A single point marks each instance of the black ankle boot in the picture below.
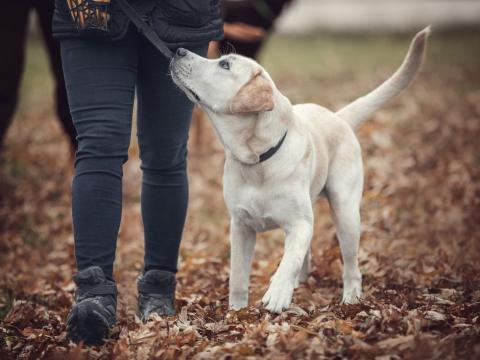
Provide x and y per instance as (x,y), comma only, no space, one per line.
(94,312)
(156,293)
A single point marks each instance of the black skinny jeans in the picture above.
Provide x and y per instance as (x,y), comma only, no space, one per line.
(101,78)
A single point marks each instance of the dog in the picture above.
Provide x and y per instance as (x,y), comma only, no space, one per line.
(280,159)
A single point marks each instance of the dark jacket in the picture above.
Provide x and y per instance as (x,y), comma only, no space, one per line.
(177,22)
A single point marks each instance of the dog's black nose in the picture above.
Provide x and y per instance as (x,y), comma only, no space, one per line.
(181,52)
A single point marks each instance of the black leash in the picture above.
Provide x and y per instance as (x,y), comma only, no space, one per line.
(145,29)
(270,152)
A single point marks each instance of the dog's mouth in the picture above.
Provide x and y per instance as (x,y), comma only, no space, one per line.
(192,93)
(181,84)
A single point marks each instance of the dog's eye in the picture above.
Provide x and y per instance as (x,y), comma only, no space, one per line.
(224,64)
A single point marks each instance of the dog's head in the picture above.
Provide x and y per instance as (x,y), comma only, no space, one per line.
(232,84)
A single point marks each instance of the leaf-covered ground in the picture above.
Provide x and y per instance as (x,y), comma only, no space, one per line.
(420,246)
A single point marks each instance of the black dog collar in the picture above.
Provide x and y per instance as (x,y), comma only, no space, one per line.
(270,152)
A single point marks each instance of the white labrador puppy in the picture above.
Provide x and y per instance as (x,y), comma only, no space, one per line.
(280,158)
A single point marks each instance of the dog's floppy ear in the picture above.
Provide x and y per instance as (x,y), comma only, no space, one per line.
(255,96)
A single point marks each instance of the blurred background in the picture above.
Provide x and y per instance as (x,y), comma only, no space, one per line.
(421,208)
(376,15)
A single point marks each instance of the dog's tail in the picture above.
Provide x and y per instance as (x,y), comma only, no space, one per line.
(361,109)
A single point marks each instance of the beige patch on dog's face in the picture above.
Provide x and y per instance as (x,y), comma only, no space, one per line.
(255,96)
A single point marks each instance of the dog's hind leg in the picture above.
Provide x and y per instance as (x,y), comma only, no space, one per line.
(344,195)
(242,245)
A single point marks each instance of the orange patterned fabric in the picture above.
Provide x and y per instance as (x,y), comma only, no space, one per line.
(90,14)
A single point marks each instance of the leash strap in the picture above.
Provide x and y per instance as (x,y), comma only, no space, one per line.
(144,28)
(270,152)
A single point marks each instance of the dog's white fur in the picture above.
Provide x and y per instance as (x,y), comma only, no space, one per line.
(320,156)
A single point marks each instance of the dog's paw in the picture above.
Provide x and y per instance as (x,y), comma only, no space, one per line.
(237,304)
(349,299)
(352,292)
(278,297)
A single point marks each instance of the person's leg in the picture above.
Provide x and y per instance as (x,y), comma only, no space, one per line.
(164,115)
(100,79)
(13,25)
(44,9)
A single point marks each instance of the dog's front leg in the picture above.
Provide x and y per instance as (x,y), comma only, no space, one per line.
(242,245)
(279,294)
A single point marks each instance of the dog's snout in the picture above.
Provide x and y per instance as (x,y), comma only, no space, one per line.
(181,52)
